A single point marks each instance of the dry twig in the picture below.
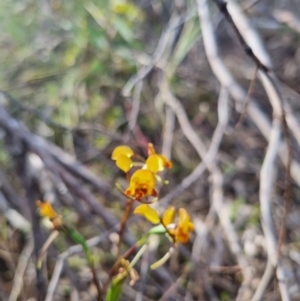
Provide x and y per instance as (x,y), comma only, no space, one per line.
(266,186)
(20,270)
(217,179)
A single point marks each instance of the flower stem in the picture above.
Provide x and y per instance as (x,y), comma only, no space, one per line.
(136,258)
(123,222)
(116,265)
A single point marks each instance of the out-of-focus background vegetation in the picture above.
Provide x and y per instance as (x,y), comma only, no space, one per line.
(66,68)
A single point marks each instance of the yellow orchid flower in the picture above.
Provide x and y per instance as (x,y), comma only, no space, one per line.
(122,149)
(183,227)
(122,154)
(124,163)
(169,216)
(180,232)
(151,149)
(46,209)
(156,162)
(148,212)
(142,184)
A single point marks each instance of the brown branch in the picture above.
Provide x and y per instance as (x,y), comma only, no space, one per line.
(222,6)
(15,200)
(270,82)
(243,30)
(248,98)
(19,152)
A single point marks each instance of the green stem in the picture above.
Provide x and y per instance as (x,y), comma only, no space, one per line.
(132,249)
(78,238)
(136,258)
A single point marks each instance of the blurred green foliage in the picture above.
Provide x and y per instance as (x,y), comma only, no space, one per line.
(225,296)
(69,58)
(236,207)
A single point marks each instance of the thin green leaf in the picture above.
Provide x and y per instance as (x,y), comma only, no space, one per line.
(123,28)
(79,239)
(114,291)
(188,38)
(160,229)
